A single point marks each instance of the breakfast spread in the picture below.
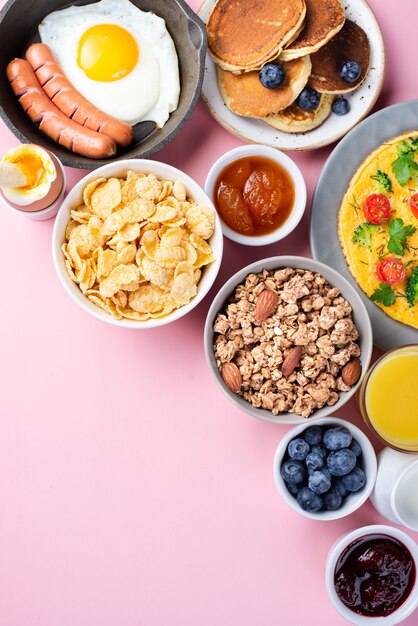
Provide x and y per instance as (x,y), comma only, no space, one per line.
(137,245)
(301,55)
(394,421)
(375,575)
(286,342)
(30,178)
(322,467)
(254,195)
(100,70)
(377,225)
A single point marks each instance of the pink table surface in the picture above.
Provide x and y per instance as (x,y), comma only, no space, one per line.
(132,493)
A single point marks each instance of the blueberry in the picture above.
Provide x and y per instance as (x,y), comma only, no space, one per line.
(292,488)
(309,501)
(313,435)
(333,499)
(337,438)
(298,449)
(350,71)
(341,462)
(320,450)
(314,461)
(340,106)
(293,471)
(339,485)
(272,75)
(355,480)
(355,447)
(319,482)
(309,99)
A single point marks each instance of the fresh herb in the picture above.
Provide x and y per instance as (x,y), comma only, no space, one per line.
(412,287)
(405,167)
(356,205)
(385,295)
(363,234)
(385,184)
(398,234)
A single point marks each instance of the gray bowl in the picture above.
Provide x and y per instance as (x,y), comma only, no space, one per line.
(19,20)
(360,317)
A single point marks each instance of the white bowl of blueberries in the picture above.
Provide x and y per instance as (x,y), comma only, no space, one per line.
(325,471)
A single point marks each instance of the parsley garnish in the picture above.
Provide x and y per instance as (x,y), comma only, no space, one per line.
(385,184)
(405,166)
(385,295)
(398,234)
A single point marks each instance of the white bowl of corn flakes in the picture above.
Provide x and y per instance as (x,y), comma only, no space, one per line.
(137,243)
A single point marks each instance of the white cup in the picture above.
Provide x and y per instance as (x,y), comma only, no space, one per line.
(395,494)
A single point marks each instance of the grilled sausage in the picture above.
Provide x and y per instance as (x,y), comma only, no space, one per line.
(51,120)
(70,101)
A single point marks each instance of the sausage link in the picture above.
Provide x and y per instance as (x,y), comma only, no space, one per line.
(70,101)
(51,120)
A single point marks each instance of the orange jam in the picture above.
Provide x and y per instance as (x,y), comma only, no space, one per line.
(254,195)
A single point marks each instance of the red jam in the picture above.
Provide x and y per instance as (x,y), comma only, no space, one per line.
(374,575)
(254,195)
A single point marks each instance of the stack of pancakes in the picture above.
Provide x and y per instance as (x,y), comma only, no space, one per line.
(309,38)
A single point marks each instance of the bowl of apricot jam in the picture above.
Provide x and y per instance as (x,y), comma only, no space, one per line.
(259,194)
(371,574)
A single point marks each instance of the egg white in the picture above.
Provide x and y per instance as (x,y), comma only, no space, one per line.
(150,91)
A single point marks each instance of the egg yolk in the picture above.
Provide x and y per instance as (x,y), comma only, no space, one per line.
(107,52)
(33,168)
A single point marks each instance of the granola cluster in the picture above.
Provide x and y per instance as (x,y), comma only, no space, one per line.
(310,314)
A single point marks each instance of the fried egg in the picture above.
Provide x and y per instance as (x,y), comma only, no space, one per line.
(122,59)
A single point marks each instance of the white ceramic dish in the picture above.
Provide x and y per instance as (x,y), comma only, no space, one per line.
(395,494)
(361,100)
(360,317)
(294,173)
(338,548)
(351,502)
(74,198)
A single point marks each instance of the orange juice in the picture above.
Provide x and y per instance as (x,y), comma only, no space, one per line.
(390,398)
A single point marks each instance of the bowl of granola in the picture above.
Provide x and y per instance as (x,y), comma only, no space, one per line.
(288,338)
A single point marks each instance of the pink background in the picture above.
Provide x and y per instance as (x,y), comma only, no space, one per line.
(132,493)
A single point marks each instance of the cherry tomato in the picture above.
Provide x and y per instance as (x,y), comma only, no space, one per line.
(413,203)
(262,195)
(233,209)
(390,271)
(376,208)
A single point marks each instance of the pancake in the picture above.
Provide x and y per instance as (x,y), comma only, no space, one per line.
(243,35)
(245,95)
(362,255)
(296,120)
(324,19)
(349,44)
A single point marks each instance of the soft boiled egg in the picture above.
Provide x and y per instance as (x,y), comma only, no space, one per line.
(120,58)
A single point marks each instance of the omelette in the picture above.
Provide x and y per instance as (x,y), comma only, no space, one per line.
(378,227)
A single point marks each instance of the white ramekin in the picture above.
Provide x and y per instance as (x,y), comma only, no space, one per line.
(295,174)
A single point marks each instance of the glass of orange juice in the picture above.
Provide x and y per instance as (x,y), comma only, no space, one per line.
(388,398)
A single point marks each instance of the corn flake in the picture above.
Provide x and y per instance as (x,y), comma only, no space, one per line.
(136,244)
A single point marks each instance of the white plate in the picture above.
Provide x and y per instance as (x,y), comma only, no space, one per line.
(361,100)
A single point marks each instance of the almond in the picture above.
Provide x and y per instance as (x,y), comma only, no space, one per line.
(351,372)
(232,377)
(266,304)
(291,361)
